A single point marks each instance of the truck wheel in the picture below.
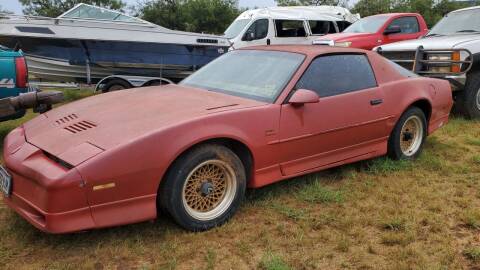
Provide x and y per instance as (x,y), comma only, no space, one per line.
(469,98)
(204,187)
(408,135)
(115,85)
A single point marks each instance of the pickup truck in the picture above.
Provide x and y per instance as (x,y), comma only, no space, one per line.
(15,94)
(450,51)
(376,30)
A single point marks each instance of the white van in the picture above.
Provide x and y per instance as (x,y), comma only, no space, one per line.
(287,25)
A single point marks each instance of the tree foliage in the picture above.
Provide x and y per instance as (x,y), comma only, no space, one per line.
(431,10)
(210,16)
(53,8)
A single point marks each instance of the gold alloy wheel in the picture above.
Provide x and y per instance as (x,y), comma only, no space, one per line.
(209,190)
(411,136)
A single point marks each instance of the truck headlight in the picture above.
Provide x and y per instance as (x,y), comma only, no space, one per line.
(440,56)
(447,66)
(343,44)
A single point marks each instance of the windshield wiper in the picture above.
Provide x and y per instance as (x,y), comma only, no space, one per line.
(434,35)
(468,31)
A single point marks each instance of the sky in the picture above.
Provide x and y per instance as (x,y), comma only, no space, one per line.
(14,5)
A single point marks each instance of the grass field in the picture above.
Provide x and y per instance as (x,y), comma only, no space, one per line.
(376,214)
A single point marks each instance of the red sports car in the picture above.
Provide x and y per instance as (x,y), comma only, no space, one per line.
(250,118)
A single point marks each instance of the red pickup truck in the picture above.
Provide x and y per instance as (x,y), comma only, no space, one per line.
(377,30)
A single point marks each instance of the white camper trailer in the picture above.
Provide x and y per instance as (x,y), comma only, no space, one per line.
(287,25)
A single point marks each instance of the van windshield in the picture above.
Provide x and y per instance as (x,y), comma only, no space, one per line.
(236,28)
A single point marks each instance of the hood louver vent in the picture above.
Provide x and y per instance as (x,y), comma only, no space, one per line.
(80,126)
(66,119)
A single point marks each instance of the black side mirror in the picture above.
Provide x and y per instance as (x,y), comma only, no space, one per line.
(392,30)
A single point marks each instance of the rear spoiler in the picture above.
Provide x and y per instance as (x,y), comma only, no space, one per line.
(421,64)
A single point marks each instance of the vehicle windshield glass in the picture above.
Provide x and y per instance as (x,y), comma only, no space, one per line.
(367,25)
(467,21)
(253,74)
(83,11)
(236,28)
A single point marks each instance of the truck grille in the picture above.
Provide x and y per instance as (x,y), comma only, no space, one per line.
(403,58)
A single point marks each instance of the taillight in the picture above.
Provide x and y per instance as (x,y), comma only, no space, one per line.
(22,73)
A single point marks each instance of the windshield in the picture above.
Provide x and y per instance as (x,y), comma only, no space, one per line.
(466,21)
(258,75)
(236,28)
(367,25)
(84,11)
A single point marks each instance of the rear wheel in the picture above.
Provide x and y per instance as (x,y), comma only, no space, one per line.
(408,136)
(203,188)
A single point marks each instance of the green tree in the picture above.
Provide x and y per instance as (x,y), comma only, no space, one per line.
(53,8)
(216,15)
(167,13)
(209,16)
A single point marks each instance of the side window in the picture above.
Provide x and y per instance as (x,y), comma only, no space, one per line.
(258,30)
(338,74)
(290,28)
(322,27)
(407,25)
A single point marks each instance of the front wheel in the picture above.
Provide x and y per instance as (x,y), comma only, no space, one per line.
(204,188)
(406,140)
(469,98)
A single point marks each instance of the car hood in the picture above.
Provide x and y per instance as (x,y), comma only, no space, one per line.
(345,36)
(85,128)
(432,43)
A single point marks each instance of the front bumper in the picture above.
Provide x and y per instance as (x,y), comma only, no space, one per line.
(418,62)
(48,195)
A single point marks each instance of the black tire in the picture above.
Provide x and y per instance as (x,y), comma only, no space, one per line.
(171,193)
(116,85)
(468,100)
(397,136)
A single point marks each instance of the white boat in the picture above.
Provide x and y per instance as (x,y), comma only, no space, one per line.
(88,43)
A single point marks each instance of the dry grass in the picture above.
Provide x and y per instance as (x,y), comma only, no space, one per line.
(375,214)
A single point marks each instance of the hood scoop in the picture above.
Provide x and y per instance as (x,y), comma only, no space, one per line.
(79,126)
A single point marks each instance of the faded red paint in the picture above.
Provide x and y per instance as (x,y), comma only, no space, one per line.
(131,137)
(368,41)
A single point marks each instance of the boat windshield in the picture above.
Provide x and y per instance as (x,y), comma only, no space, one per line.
(84,11)
(236,28)
(367,25)
(254,74)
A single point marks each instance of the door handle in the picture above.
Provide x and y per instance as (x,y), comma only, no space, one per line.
(374,102)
